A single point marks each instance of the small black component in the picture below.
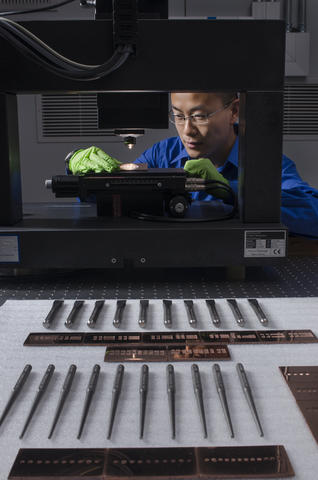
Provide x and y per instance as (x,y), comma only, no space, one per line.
(171,391)
(50,316)
(95,313)
(73,313)
(120,307)
(115,397)
(222,396)
(213,312)
(143,391)
(64,393)
(89,396)
(143,309)
(167,317)
(41,391)
(15,391)
(190,312)
(197,386)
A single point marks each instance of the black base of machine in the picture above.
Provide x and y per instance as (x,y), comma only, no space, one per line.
(69,235)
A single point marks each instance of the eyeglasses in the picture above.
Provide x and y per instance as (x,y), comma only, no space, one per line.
(196,118)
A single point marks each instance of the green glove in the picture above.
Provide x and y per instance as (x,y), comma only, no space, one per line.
(92,159)
(204,168)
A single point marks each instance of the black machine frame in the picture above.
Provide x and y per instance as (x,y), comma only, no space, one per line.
(244,56)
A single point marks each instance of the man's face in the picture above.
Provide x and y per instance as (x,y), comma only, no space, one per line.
(214,137)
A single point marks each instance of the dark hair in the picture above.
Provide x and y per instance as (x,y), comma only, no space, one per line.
(227,97)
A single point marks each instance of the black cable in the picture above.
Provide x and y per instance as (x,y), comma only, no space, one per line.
(55,63)
(29,50)
(223,186)
(32,40)
(38,46)
(161,218)
(33,10)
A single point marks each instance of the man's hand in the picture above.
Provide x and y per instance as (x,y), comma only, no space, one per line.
(92,159)
(204,168)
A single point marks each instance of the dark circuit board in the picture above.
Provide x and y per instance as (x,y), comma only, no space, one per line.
(263,461)
(167,353)
(233,337)
(303,383)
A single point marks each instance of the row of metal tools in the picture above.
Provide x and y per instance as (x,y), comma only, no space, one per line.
(143,312)
(143,392)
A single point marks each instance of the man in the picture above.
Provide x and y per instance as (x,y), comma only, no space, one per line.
(206,125)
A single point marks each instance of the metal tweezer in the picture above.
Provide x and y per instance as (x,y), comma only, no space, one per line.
(197,386)
(248,395)
(171,390)
(50,316)
(89,396)
(71,317)
(64,393)
(115,397)
(167,316)
(120,307)
(41,390)
(15,391)
(143,392)
(190,312)
(222,396)
(258,310)
(94,315)
(213,312)
(144,304)
(236,311)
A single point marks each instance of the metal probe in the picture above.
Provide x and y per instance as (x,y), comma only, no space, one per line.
(15,391)
(190,312)
(50,316)
(197,386)
(167,317)
(94,315)
(121,304)
(71,318)
(222,396)
(258,310)
(213,312)
(89,396)
(41,390)
(171,390)
(248,395)
(115,397)
(64,393)
(144,304)
(143,392)
(236,311)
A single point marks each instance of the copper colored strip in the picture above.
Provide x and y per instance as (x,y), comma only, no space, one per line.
(228,337)
(239,462)
(269,461)
(303,383)
(166,353)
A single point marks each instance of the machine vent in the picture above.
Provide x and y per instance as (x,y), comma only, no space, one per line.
(68,117)
(23,4)
(301,110)
(75,116)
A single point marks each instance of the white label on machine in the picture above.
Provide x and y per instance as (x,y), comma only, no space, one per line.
(9,249)
(265,243)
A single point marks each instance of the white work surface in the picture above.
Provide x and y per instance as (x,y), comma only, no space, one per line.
(281,419)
